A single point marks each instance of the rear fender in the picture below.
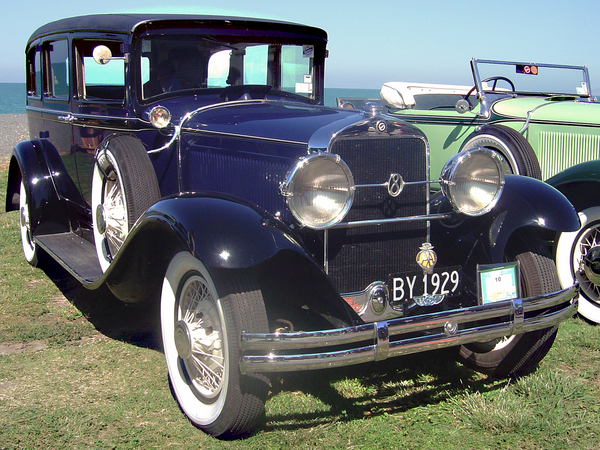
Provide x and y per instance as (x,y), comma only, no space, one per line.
(225,234)
(29,162)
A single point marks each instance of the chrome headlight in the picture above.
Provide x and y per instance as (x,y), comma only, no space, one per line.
(319,190)
(473,180)
(160,117)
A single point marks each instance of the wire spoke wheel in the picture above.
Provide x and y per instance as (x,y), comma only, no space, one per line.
(199,337)
(124,186)
(572,249)
(201,332)
(588,240)
(112,210)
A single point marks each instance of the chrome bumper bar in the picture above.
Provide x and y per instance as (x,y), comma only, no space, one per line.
(284,352)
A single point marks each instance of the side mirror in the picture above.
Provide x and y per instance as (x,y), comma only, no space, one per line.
(102,54)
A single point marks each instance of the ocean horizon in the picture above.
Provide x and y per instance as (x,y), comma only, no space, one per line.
(12,96)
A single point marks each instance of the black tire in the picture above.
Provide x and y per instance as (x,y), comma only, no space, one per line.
(518,155)
(519,355)
(124,186)
(201,335)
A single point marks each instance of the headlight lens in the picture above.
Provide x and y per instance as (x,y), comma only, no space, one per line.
(473,180)
(319,190)
(160,117)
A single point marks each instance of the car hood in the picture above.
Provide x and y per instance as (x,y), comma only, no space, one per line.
(273,120)
(550,109)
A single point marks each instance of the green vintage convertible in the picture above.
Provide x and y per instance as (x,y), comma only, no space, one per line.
(543,121)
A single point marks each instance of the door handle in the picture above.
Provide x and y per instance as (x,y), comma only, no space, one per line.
(69,118)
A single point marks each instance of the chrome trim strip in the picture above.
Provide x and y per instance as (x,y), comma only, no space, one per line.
(371,342)
(367,223)
(189,115)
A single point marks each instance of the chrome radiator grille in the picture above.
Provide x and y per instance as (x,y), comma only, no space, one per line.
(359,256)
(559,151)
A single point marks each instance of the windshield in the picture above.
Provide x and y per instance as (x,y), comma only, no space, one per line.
(542,79)
(177,63)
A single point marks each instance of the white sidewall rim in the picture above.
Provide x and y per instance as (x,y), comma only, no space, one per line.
(198,412)
(493,143)
(565,261)
(29,246)
(97,194)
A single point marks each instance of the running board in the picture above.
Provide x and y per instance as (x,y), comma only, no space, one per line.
(74,253)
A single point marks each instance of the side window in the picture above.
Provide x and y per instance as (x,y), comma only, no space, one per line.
(34,72)
(99,81)
(58,64)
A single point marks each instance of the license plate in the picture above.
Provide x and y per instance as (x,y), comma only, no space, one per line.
(446,282)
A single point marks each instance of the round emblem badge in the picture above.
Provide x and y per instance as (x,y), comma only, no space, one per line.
(427,258)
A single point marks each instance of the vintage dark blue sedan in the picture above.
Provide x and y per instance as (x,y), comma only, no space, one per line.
(189,160)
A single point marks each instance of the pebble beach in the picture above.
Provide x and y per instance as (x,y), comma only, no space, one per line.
(13,129)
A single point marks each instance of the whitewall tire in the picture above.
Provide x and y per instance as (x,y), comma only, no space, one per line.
(201,333)
(30,248)
(124,186)
(570,249)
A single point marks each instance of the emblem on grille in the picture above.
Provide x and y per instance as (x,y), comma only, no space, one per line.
(395,184)
(427,258)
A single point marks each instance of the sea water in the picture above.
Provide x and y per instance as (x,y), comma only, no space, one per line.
(12,96)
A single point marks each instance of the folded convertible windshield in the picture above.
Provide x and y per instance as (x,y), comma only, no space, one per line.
(176,63)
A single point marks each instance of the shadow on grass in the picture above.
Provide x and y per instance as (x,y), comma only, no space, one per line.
(138,324)
(388,387)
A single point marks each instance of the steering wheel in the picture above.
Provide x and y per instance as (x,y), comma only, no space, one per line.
(495,80)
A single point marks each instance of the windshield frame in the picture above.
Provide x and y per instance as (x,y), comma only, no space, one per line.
(486,94)
(225,39)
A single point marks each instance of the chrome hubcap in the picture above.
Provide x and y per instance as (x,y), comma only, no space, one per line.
(587,260)
(198,337)
(183,340)
(100,221)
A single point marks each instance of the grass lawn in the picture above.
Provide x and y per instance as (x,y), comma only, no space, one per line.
(78,369)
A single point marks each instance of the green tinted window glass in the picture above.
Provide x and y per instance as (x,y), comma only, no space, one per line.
(59,69)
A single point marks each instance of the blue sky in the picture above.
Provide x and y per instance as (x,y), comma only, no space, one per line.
(371,42)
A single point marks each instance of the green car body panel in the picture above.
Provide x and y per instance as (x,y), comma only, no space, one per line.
(563,133)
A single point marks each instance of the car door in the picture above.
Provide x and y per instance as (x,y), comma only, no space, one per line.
(55,121)
(98,105)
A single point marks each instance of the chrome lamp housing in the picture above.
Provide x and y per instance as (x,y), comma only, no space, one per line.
(473,180)
(319,190)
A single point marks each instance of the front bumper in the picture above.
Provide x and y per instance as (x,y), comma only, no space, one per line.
(283,352)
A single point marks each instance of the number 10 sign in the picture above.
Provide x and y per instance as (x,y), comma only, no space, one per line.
(498,282)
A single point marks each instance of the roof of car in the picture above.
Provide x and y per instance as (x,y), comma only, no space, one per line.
(126,23)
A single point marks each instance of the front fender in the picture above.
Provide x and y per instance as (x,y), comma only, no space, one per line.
(221,232)
(525,202)
(225,234)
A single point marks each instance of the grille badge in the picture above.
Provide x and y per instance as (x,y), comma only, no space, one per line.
(426,258)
